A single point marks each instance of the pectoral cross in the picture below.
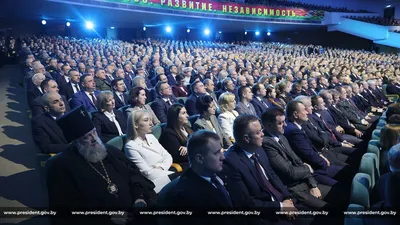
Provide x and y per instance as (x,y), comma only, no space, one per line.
(83,113)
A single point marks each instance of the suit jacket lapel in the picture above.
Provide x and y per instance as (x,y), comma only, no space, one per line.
(249,164)
(57,130)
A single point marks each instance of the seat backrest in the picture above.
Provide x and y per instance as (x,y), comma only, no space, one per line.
(158,129)
(193,118)
(118,142)
(360,188)
(384,89)
(373,148)
(370,165)
(182,100)
(123,108)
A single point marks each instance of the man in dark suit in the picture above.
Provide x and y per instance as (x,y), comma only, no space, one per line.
(197,89)
(209,85)
(335,118)
(173,72)
(47,85)
(312,86)
(393,87)
(87,96)
(303,147)
(294,173)
(36,91)
(319,116)
(76,178)
(63,78)
(47,135)
(227,85)
(251,181)
(259,102)
(202,186)
(119,92)
(162,103)
(324,141)
(73,86)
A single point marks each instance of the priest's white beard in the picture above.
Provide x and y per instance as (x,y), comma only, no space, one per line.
(93,154)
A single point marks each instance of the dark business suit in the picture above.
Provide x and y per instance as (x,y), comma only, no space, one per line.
(106,129)
(245,185)
(303,147)
(68,91)
(339,118)
(260,106)
(118,102)
(47,135)
(392,89)
(326,144)
(327,123)
(160,108)
(80,98)
(61,81)
(295,175)
(361,102)
(170,141)
(171,80)
(190,105)
(192,192)
(32,94)
(37,106)
(372,98)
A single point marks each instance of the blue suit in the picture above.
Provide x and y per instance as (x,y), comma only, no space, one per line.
(80,98)
(260,106)
(190,105)
(246,187)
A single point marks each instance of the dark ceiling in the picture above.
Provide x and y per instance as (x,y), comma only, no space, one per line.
(60,12)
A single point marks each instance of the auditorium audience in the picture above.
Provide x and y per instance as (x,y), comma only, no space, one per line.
(143,149)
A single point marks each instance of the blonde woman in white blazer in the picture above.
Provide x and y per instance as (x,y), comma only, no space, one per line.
(145,151)
(228,114)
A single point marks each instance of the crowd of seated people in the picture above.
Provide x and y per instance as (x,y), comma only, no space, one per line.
(296,4)
(376,20)
(308,116)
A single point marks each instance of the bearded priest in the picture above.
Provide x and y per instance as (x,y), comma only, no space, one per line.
(93,178)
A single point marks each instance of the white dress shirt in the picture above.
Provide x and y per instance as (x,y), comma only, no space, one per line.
(111,117)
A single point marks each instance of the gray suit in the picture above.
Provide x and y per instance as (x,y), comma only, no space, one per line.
(201,124)
(292,171)
(243,109)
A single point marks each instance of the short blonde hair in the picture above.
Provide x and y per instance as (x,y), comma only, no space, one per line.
(102,99)
(133,119)
(224,100)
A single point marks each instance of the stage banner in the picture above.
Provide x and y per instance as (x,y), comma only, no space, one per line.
(228,8)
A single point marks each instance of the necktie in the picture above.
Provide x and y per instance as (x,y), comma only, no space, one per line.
(76,88)
(222,189)
(122,98)
(358,112)
(168,102)
(326,126)
(264,103)
(114,120)
(281,144)
(93,99)
(275,193)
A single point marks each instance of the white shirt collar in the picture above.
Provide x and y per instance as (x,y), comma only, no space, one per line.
(297,125)
(318,114)
(248,154)
(109,115)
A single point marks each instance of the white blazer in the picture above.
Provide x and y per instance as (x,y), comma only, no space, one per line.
(226,121)
(147,157)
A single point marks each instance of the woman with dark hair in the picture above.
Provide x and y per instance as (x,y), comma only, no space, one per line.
(176,134)
(271,97)
(137,101)
(179,88)
(390,135)
(208,121)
